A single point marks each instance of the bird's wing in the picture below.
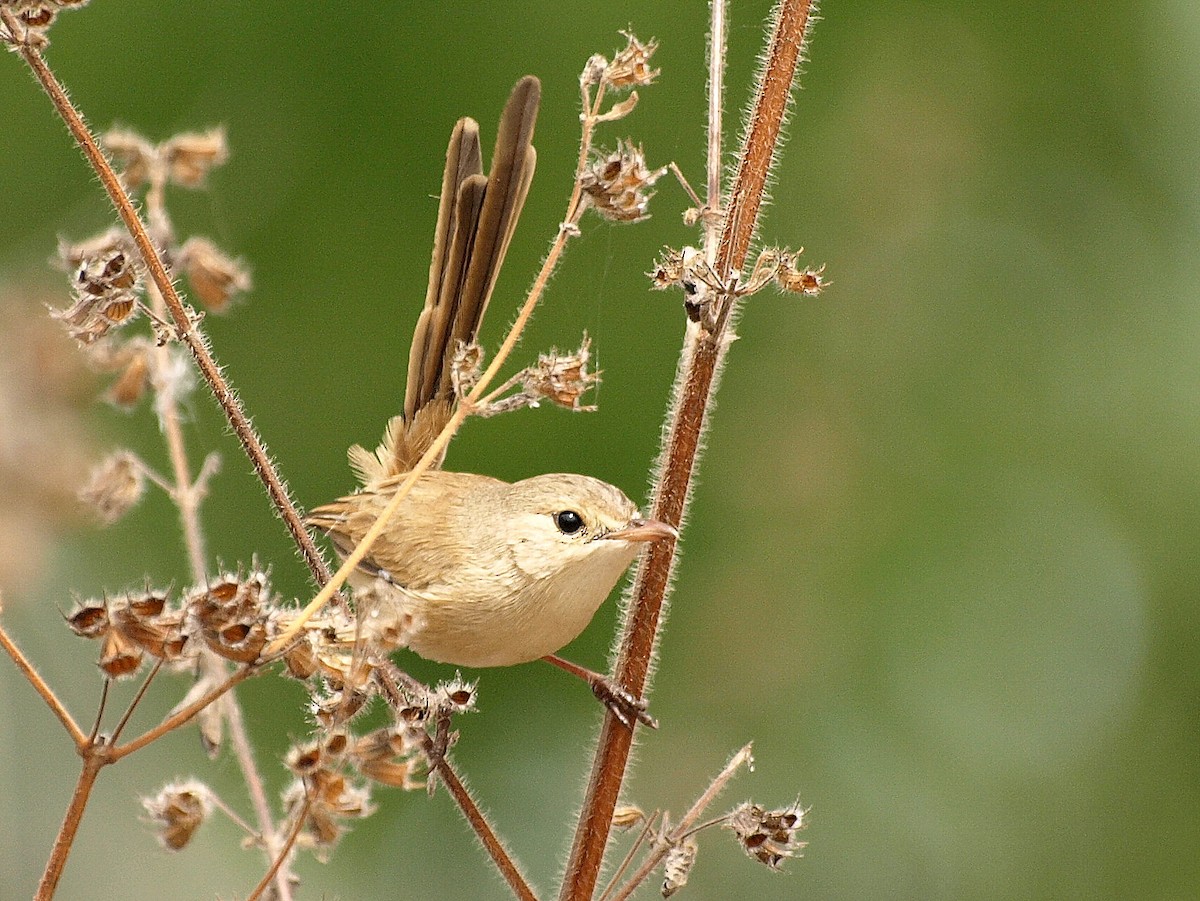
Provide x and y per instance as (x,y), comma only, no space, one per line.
(418,548)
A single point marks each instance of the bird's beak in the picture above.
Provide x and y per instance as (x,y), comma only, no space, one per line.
(644,530)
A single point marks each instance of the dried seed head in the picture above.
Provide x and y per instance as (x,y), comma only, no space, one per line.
(304,759)
(562,379)
(626,816)
(115,486)
(791,277)
(36,16)
(191,155)
(769,836)
(119,657)
(390,756)
(135,154)
(89,619)
(618,184)
(105,285)
(230,614)
(455,696)
(301,658)
(178,810)
(465,367)
(593,70)
(215,278)
(332,799)
(130,386)
(146,621)
(678,866)
(631,67)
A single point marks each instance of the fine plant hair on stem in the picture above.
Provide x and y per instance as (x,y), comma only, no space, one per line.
(696,380)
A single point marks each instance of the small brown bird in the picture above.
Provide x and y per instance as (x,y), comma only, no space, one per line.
(483,572)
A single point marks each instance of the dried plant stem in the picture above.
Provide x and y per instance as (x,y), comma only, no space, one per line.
(486,834)
(683,828)
(275,871)
(278,853)
(92,764)
(180,717)
(185,325)
(187,493)
(703,356)
(39,685)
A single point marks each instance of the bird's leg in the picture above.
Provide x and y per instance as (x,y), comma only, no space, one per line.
(624,705)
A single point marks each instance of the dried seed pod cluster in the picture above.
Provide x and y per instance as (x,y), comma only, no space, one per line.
(769,836)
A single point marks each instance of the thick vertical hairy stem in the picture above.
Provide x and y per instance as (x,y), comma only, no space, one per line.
(678,460)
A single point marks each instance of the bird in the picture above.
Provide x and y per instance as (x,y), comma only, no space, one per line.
(482,572)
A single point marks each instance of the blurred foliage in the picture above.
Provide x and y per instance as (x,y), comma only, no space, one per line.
(942,560)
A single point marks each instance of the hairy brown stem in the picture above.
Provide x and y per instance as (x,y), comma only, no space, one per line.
(180,717)
(185,326)
(679,457)
(92,764)
(487,835)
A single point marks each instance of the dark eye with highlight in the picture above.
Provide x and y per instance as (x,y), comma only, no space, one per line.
(568,521)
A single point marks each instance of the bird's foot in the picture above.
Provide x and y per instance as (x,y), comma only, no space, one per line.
(624,705)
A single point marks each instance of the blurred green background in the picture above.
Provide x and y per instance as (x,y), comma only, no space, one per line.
(941,565)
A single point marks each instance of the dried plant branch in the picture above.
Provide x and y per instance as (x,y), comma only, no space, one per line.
(180,717)
(92,764)
(186,328)
(487,835)
(703,356)
(670,839)
(78,738)
(276,871)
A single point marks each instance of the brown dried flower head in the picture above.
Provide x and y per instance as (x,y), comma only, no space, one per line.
(190,156)
(119,657)
(106,286)
(131,626)
(230,615)
(625,816)
(562,378)
(769,836)
(115,486)
(678,866)
(455,696)
(790,276)
(36,16)
(618,184)
(148,622)
(215,278)
(178,810)
(131,385)
(631,66)
(390,756)
(136,155)
(332,799)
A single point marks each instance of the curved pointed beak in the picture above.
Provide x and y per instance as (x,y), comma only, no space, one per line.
(644,530)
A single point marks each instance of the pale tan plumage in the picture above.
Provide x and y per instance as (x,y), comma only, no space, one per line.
(488,573)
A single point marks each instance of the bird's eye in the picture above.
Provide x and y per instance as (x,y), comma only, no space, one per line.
(568,521)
